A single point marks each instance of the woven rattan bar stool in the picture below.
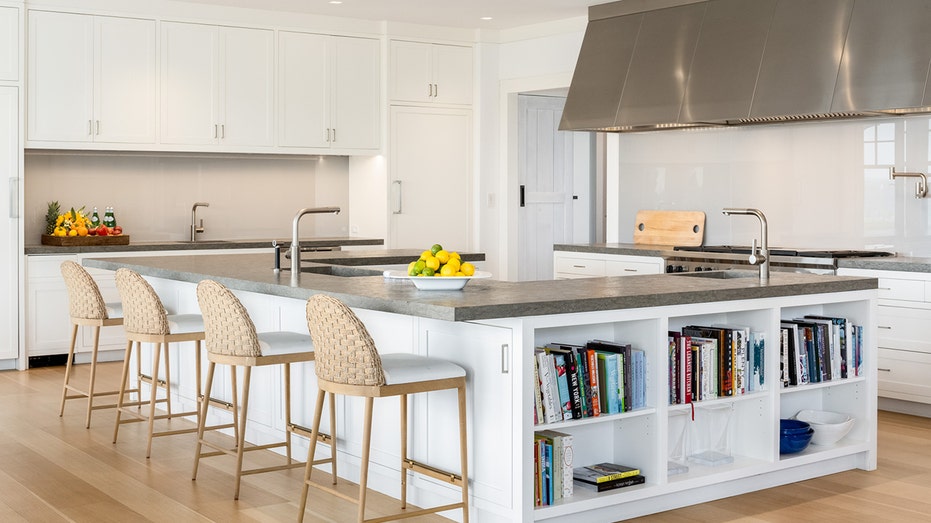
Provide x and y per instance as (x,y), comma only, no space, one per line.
(348,363)
(232,340)
(145,321)
(87,309)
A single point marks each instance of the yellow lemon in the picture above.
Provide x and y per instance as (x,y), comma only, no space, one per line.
(442,255)
(455,255)
(432,263)
(468,269)
(411,268)
(425,254)
(453,265)
(447,270)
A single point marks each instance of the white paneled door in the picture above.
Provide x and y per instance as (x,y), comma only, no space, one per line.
(545,191)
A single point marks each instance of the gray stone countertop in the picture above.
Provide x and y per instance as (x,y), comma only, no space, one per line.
(890,263)
(481,298)
(199,245)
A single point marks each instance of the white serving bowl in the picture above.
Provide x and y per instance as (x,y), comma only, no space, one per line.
(830,427)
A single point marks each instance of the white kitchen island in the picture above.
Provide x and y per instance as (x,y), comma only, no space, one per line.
(491,329)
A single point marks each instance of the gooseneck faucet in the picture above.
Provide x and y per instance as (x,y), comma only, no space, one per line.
(194,227)
(761,259)
(295,234)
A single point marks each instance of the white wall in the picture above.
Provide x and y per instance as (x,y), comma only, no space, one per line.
(251,197)
(820,184)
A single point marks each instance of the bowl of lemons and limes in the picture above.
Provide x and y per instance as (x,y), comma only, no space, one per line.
(439,269)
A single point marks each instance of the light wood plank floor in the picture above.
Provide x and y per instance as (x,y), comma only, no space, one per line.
(53,469)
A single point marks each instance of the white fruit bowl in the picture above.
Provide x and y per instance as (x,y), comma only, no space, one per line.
(830,427)
(437,283)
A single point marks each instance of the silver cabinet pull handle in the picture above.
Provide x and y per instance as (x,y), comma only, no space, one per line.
(97,132)
(436,90)
(90,128)
(505,368)
(884,327)
(216,130)
(429,90)
(334,134)
(14,197)
(223,130)
(397,184)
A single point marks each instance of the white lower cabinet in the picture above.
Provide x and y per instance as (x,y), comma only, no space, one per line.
(903,314)
(569,264)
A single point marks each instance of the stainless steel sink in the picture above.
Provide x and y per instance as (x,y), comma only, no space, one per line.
(719,275)
(341,270)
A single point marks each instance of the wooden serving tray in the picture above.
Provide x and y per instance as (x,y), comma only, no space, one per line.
(84,241)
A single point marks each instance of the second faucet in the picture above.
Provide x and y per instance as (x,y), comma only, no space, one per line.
(194,227)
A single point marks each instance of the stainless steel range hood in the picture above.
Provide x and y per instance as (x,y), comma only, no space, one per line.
(666,64)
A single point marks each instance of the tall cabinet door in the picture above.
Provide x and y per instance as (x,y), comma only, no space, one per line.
(355,100)
(430,172)
(10,200)
(247,96)
(189,84)
(61,77)
(124,74)
(302,90)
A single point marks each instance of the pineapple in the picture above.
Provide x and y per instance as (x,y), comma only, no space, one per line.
(51,215)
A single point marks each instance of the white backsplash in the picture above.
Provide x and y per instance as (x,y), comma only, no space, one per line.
(820,184)
(251,197)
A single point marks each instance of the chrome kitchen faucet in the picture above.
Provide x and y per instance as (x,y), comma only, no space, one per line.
(295,235)
(194,227)
(761,259)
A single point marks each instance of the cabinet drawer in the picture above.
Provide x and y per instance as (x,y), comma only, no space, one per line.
(904,375)
(580,266)
(899,289)
(630,268)
(903,328)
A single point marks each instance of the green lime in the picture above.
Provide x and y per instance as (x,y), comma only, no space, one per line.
(427,271)
(436,248)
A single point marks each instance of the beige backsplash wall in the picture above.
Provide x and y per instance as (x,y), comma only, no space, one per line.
(250,196)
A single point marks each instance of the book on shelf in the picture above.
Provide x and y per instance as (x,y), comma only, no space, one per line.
(562,385)
(639,479)
(562,462)
(757,364)
(608,375)
(724,370)
(706,368)
(570,362)
(537,395)
(603,472)
(548,388)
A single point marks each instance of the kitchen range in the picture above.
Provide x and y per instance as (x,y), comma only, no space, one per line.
(724,257)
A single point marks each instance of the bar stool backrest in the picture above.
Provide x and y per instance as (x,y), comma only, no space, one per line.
(345,352)
(143,312)
(83,293)
(227,325)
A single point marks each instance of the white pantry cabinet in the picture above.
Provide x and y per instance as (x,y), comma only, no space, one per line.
(10,204)
(90,79)
(430,73)
(328,91)
(217,85)
(570,264)
(9,43)
(430,170)
(903,315)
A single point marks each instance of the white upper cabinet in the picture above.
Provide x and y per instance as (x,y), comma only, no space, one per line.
(9,43)
(90,79)
(328,88)
(217,85)
(430,73)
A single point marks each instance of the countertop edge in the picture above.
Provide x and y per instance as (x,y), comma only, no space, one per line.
(201,245)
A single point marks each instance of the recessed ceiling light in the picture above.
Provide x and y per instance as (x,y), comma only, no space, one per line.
(487,18)
(336,2)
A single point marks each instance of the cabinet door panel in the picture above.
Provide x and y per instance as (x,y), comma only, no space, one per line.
(430,174)
(355,94)
(61,77)
(452,75)
(189,84)
(410,71)
(903,328)
(125,80)
(302,90)
(9,43)
(10,254)
(247,95)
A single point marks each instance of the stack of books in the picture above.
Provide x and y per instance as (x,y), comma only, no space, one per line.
(607,476)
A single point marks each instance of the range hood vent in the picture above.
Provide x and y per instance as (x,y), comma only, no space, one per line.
(649,65)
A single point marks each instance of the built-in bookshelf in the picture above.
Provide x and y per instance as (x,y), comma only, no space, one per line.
(687,450)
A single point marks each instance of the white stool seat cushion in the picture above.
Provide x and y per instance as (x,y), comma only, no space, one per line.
(114,309)
(185,323)
(272,343)
(410,368)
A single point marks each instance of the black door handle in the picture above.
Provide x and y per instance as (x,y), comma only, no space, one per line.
(522,187)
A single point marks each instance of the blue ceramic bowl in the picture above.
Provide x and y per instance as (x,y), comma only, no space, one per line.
(793,426)
(792,443)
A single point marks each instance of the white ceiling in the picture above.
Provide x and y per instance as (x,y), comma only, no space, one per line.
(505,14)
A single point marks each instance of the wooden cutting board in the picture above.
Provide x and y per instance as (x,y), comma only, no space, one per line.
(686,228)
